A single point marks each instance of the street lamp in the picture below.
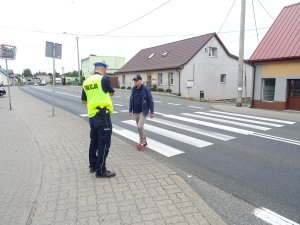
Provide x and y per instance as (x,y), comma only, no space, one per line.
(78,61)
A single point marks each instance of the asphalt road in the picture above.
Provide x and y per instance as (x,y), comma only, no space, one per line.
(254,162)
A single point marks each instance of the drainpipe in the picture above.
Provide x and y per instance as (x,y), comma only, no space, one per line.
(179,93)
(253,86)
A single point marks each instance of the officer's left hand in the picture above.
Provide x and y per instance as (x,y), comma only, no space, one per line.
(151,115)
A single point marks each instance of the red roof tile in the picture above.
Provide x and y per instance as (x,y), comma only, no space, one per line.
(168,56)
(282,41)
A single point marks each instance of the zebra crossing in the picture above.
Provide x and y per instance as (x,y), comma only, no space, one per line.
(193,129)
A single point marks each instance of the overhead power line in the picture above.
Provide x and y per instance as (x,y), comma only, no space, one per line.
(255,21)
(127,36)
(227,16)
(224,21)
(265,10)
(131,22)
(28,30)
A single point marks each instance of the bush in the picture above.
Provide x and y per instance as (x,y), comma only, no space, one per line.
(154,88)
(168,90)
(128,88)
(123,87)
(160,90)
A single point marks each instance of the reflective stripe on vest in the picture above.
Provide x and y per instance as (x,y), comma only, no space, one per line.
(96,96)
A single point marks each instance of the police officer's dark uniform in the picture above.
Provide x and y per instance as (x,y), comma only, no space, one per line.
(96,93)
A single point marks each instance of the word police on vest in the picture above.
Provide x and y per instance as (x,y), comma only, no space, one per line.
(90,87)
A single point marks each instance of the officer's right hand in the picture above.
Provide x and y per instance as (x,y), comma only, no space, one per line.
(130,114)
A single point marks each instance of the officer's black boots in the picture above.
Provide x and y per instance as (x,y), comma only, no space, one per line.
(106,174)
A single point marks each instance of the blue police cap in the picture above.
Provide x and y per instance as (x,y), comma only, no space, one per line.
(102,64)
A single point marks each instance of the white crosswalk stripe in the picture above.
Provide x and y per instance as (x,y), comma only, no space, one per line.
(229,122)
(241,119)
(216,135)
(255,117)
(161,148)
(176,136)
(195,107)
(208,124)
(170,103)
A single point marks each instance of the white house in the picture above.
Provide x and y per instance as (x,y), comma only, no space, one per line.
(188,67)
(3,78)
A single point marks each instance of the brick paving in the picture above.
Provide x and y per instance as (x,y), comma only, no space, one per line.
(44,176)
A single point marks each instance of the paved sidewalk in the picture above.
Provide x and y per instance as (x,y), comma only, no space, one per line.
(44,176)
(283,115)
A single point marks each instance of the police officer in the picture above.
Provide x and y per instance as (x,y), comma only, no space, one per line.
(96,94)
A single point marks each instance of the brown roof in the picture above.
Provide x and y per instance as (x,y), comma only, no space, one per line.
(168,56)
(282,41)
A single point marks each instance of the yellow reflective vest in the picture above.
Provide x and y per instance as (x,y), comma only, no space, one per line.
(96,96)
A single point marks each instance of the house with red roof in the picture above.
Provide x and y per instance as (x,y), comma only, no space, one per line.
(277,63)
(188,67)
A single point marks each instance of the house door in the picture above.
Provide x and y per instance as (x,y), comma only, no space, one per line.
(293,101)
(149,81)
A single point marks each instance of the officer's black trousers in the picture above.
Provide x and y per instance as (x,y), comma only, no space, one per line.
(100,135)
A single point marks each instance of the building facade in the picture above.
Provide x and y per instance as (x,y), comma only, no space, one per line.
(199,67)
(277,63)
(114,64)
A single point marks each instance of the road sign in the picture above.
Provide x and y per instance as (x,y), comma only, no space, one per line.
(53,50)
(7,51)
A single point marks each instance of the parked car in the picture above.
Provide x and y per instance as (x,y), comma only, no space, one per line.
(2,91)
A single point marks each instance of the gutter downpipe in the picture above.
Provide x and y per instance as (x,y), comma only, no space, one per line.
(253,86)
(179,93)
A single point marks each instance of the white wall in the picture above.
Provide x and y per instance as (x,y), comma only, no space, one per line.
(280,94)
(206,72)
(3,79)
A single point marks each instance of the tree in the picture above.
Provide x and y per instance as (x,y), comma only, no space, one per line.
(71,74)
(27,73)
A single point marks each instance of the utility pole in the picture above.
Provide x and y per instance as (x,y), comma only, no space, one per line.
(78,62)
(53,79)
(53,50)
(241,55)
(8,85)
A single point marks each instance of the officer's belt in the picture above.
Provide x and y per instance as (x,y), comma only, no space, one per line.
(103,112)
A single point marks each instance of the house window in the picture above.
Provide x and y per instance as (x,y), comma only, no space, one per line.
(160,81)
(150,56)
(212,52)
(170,79)
(223,78)
(268,89)
(123,80)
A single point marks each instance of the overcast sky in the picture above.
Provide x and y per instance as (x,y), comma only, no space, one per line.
(29,24)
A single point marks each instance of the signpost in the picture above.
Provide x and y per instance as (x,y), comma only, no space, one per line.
(8,52)
(53,50)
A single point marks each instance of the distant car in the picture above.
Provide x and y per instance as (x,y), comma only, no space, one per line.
(35,84)
(2,91)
